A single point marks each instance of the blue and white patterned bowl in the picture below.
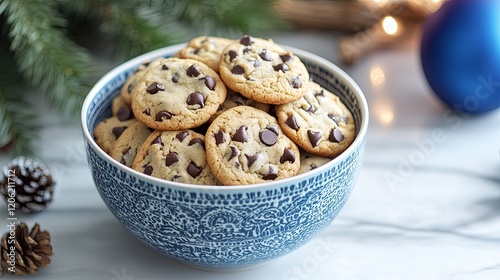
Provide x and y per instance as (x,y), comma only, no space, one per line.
(218,226)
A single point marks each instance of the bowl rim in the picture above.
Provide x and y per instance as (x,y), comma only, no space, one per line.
(170,50)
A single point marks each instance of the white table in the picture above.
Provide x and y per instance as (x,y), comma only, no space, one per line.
(426,205)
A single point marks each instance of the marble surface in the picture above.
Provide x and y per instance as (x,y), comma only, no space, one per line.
(426,205)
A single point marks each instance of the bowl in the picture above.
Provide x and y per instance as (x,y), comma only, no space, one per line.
(225,227)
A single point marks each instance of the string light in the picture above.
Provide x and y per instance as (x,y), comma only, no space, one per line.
(379,3)
(390,25)
(426,6)
(397,19)
(387,117)
(377,76)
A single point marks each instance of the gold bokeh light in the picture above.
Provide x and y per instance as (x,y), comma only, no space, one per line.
(390,25)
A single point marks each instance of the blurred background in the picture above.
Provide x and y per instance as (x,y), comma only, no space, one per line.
(53,51)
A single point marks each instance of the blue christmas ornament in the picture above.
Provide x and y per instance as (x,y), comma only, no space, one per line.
(460,54)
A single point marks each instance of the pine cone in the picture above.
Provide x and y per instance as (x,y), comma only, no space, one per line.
(31,181)
(27,252)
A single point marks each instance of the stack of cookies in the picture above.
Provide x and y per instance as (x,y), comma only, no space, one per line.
(225,112)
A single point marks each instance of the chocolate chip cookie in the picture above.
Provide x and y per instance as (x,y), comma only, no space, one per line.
(107,131)
(121,109)
(177,156)
(309,162)
(126,146)
(318,122)
(126,90)
(234,99)
(246,146)
(263,71)
(206,49)
(177,94)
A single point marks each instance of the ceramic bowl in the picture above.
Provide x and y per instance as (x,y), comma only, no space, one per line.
(219,227)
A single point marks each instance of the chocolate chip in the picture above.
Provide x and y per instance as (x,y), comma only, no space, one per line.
(171,158)
(158,141)
(246,50)
(336,135)
(176,178)
(345,118)
(196,98)
(234,152)
(117,131)
(220,137)
(320,93)
(251,159)
(193,71)
(164,67)
(163,115)
(288,155)
(274,128)
(124,113)
(265,55)
(314,137)
(335,118)
(194,170)
(271,174)
(147,111)
(246,40)
(256,63)
(175,78)
(292,123)
(268,137)
(126,151)
(241,134)
(282,66)
(232,55)
(238,70)
(155,87)
(182,135)
(286,57)
(311,109)
(297,82)
(197,141)
(148,170)
(210,82)
(130,87)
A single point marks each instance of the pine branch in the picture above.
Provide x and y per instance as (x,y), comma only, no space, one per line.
(229,16)
(136,29)
(6,124)
(18,125)
(82,8)
(47,58)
